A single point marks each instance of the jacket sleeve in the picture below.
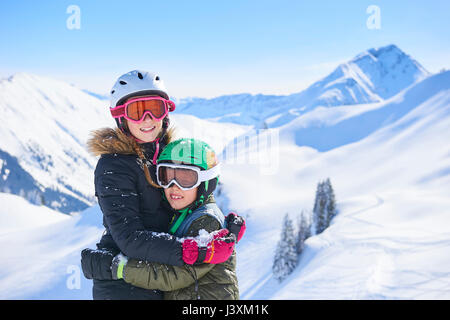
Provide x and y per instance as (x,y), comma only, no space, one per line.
(167,278)
(115,186)
(149,275)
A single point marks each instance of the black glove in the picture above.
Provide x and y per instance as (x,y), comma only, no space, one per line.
(117,265)
(96,264)
(236,225)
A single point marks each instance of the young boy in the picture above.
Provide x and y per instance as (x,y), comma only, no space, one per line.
(188,171)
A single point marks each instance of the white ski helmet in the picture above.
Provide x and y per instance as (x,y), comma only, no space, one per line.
(135,83)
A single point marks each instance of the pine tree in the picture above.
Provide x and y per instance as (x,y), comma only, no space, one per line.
(286,258)
(303,232)
(331,202)
(324,206)
(319,213)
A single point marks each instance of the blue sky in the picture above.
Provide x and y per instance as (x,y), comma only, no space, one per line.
(211,48)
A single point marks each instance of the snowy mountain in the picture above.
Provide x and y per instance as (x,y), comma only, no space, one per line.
(391,236)
(386,153)
(390,239)
(327,128)
(61,177)
(42,149)
(43,157)
(372,76)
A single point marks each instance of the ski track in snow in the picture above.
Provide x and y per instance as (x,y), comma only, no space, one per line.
(384,263)
(267,286)
(379,262)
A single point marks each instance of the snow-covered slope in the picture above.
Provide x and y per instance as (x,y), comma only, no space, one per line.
(372,76)
(390,239)
(46,125)
(217,135)
(328,128)
(389,164)
(41,250)
(392,235)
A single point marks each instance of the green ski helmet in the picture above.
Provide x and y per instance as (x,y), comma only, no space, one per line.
(193,152)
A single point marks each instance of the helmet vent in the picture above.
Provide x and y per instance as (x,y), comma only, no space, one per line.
(122,82)
(157,78)
(113,91)
(140,76)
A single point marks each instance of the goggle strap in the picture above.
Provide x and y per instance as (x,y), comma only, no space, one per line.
(209,174)
(118,111)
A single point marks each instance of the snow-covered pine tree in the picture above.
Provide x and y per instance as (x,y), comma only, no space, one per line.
(319,213)
(331,202)
(286,257)
(303,231)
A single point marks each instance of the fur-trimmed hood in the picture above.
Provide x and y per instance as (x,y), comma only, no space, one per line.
(109,141)
(114,141)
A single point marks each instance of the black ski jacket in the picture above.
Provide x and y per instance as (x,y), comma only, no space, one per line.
(133,212)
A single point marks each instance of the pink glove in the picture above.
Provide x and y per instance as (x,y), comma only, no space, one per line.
(218,250)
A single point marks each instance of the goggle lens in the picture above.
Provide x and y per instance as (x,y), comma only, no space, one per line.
(136,110)
(186,178)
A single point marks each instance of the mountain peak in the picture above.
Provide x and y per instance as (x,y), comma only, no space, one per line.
(389,49)
(373,75)
(380,53)
(21,76)
(391,59)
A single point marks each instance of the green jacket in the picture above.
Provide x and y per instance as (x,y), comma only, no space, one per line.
(204,281)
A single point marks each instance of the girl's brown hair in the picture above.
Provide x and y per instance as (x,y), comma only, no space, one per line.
(165,137)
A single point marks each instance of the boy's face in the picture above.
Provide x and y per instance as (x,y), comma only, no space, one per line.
(179,199)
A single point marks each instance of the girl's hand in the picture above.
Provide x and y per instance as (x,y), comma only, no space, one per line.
(96,264)
(235,224)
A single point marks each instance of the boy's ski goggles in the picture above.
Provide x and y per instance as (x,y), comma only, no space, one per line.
(136,109)
(184,176)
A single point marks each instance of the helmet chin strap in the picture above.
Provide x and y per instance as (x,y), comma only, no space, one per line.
(155,156)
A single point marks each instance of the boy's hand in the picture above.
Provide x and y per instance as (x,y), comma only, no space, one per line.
(218,250)
(236,225)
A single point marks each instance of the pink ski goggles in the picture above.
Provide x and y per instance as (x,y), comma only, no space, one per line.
(135,110)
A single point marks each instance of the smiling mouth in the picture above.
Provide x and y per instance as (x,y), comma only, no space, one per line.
(175,197)
(148,129)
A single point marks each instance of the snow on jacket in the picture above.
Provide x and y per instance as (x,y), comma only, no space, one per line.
(204,281)
(131,207)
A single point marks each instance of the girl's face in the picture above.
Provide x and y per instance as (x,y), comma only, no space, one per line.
(179,199)
(147,130)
